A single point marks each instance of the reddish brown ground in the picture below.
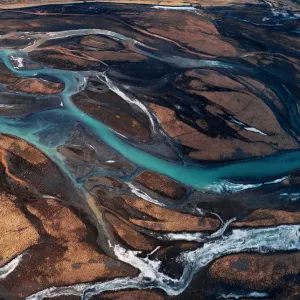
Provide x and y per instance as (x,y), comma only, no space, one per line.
(36,86)
(161,184)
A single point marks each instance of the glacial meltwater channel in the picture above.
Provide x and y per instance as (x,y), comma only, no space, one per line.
(207,178)
(49,129)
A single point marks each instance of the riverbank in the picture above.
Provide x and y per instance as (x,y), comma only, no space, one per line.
(22,4)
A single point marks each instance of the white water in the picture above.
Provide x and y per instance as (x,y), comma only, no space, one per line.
(261,240)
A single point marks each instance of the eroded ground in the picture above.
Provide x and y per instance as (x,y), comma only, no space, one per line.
(150,153)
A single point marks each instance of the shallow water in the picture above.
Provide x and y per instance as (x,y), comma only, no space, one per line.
(201,177)
(260,179)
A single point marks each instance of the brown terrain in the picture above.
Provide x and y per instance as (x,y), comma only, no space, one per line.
(36,86)
(161,184)
(56,227)
(60,248)
(27,3)
(55,242)
(255,271)
(285,4)
(194,34)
